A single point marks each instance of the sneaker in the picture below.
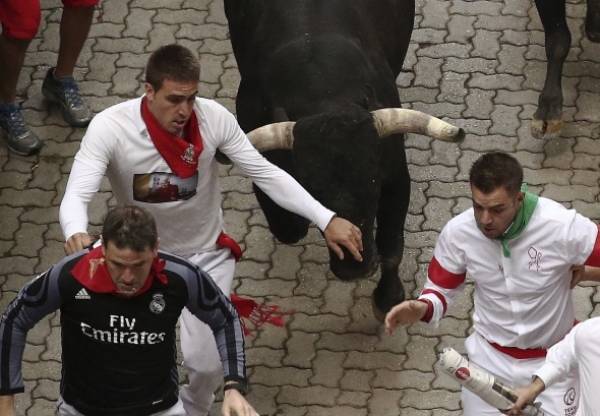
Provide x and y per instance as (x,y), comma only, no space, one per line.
(20,139)
(65,93)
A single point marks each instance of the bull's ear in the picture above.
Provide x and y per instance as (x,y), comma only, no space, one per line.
(221,158)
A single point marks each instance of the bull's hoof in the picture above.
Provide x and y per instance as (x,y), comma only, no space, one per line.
(592,26)
(546,129)
(593,36)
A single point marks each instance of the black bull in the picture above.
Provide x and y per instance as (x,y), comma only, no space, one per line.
(326,64)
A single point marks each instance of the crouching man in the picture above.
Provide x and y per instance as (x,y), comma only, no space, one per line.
(119,305)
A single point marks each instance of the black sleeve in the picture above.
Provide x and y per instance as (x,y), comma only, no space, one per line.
(36,299)
(208,303)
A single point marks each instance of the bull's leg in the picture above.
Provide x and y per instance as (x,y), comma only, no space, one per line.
(547,119)
(391,215)
(286,226)
(592,20)
(252,112)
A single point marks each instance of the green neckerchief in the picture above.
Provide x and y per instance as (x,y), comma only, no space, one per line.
(521,219)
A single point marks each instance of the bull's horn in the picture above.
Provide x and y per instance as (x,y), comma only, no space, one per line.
(390,121)
(273,136)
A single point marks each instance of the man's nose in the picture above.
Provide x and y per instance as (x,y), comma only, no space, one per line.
(127,277)
(486,218)
(185,108)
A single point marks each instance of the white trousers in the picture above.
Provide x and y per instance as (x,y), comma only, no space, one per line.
(200,355)
(65,409)
(560,399)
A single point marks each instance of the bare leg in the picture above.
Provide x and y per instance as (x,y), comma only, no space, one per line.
(12,55)
(74,28)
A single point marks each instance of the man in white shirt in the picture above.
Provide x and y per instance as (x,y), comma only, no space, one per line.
(158,151)
(580,351)
(518,249)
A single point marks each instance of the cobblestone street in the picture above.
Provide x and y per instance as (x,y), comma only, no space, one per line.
(477,64)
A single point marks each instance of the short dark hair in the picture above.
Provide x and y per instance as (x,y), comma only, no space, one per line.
(494,170)
(130,227)
(173,62)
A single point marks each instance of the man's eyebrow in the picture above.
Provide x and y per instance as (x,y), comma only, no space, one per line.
(499,205)
(175,95)
(118,263)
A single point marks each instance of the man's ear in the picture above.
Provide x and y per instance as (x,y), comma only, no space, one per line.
(149,89)
(520,196)
(155,249)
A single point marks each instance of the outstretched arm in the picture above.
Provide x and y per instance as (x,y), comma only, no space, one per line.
(406,313)
(286,192)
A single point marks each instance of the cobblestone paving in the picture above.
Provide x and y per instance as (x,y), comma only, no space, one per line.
(477,63)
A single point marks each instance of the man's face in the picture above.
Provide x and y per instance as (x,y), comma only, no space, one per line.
(172,104)
(128,268)
(494,212)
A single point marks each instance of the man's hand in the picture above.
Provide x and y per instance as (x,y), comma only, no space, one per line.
(577,274)
(7,405)
(526,395)
(234,404)
(406,313)
(341,231)
(584,274)
(77,242)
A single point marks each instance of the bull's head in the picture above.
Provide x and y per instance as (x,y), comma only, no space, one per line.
(337,158)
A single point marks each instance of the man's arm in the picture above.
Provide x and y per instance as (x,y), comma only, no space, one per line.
(235,404)
(526,395)
(286,192)
(560,360)
(406,313)
(86,175)
(210,305)
(37,299)
(7,405)
(445,279)
(584,274)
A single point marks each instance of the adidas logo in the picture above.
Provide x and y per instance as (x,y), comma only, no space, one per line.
(82,294)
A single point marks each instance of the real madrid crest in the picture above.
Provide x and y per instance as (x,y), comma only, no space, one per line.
(157,304)
(188,155)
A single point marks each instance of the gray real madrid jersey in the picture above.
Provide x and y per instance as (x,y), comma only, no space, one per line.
(119,354)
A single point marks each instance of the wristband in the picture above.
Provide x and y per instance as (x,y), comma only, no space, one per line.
(241,387)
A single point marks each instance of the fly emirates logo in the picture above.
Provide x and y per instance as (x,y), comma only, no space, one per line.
(122,331)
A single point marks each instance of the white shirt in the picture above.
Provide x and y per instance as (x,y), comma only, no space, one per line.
(117,143)
(521,301)
(579,349)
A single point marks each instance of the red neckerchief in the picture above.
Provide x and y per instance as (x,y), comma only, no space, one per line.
(225,241)
(92,273)
(180,154)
